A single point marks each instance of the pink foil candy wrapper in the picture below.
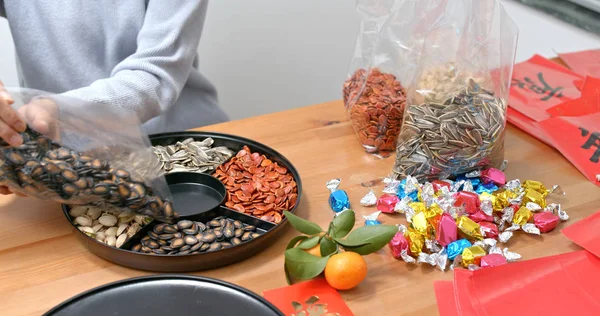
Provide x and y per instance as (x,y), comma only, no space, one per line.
(492,260)
(399,247)
(480,216)
(489,230)
(545,221)
(493,175)
(387,202)
(469,200)
(446,231)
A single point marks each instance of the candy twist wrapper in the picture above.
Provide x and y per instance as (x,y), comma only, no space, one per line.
(371,219)
(338,199)
(463,220)
(369,200)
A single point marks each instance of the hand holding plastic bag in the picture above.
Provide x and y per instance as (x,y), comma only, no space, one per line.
(81,153)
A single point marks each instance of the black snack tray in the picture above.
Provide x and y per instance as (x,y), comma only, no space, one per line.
(205,260)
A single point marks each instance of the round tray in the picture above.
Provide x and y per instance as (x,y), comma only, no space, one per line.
(166,295)
(205,260)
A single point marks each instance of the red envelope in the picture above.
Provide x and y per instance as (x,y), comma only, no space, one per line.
(585,233)
(545,286)
(464,293)
(585,62)
(444,295)
(528,125)
(539,84)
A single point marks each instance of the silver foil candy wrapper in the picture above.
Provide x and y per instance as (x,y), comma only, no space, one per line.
(508,215)
(487,207)
(432,245)
(473,174)
(531,229)
(372,217)
(468,187)
(513,185)
(438,259)
(534,207)
(333,184)
(456,185)
(473,267)
(504,237)
(428,194)
(486,244)
(406,257)
(510,256)
(412,184)
(391,186)
(369,200)
(495,250)
(504,165)
(518,199)
(598,177)
(401,228)
(557,189)
(513,227)
(457,262)
(558,211)
(402,205)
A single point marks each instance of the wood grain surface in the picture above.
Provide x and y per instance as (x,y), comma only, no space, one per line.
(41,263)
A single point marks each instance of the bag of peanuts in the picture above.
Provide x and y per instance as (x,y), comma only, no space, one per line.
(455,113)
(385,58)
(82,153)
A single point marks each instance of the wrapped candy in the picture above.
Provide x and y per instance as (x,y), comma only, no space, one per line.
(535,186)
(437,259)
(416,241)
(545,221)
(489,230)
(399,247)
(438,184)
(447,231)
(504,196)
(371,219)
(492,260)
(391,186)
(469,228)
(469,200)
(338,199)
(522,216)
(387,202)
(420,224)
(480,216)
(530,229)
(369,200)
(456,248)
(472,255)
(534,196)
(494,176)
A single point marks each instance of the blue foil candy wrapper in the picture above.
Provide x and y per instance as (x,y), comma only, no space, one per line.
(456,248)
(338,199)
(371,222)
(371,219)
(401,188)
(414,195)
(475,182)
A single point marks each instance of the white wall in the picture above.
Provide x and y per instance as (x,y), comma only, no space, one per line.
(272,55)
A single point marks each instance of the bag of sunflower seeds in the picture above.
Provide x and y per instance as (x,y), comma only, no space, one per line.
(455,116)
(81,153)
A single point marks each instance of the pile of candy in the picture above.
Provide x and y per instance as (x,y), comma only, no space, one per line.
(463,221)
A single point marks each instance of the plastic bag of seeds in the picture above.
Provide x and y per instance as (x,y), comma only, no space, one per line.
(385,58)
(455,116)
(81,153)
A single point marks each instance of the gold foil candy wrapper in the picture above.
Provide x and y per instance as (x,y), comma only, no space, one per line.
(419,224)
(531,229)
(433,211)
(496,203)
(510,256)
(438,259)
(469,228)
(534,207)
(534,196)
(419,207)
(503,196)
(472,255)
(522,216)
(504,237)
(370,199)
(416,242)
(536,186)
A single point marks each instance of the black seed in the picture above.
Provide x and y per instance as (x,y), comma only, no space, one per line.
(246,236)
(254,235)
(228,232)
(184,224)
(145,238)
(152,244)
(162,242)
(226,245)
(235,241)
(214,223)
(174,252)
(81,183)
(52,154)
(201,226)
(100,189)
(184,248)
(158,228)
(85,159)
(167,248)
(95,164)
(23,178)
(218,233)
(37,171)
(185,252)
(70,175)
(139,189)
(191,231)
(249,228)
(193,252)
(168,209)
(238,224)
(146,249)
(238,232)
(63,153)
(165,236)
(177,243)
(159,251)
(215,246)
(121,174)
(169,229)
(137,247)
(70,189)
(190,240)
(178,235)
(209,237)
(124,191)
(223,222)
(197,246)
(153,235)
(52,168)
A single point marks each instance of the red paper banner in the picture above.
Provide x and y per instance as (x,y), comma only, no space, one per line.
(585,62)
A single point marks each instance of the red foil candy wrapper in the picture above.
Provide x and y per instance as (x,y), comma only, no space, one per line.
(398,244)
(545,221)
(493,175)
(439,184)
(446,231)
(480,216)
(387,202)
(470,200)
(492,260)
(490,230)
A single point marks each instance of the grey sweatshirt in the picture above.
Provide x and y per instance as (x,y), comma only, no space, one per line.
(135,54)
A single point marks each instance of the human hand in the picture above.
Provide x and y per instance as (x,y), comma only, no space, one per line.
(10,122)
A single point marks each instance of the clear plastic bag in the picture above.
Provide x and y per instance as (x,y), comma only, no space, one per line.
(385,58)
(455,116)
(84,154)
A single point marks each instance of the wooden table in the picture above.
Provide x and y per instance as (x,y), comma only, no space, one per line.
(41,263)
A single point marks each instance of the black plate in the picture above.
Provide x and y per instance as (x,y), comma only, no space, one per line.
(195,193)
(202,261)
(166,295)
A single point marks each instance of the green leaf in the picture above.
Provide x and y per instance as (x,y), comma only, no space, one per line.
(302,225)
(290,245)
(309,243)
(328,247)
(302,265)
(368,239)
(343,223)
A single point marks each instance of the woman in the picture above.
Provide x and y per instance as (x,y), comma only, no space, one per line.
(140,55)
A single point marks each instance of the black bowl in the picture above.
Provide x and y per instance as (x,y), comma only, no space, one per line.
(207,260)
